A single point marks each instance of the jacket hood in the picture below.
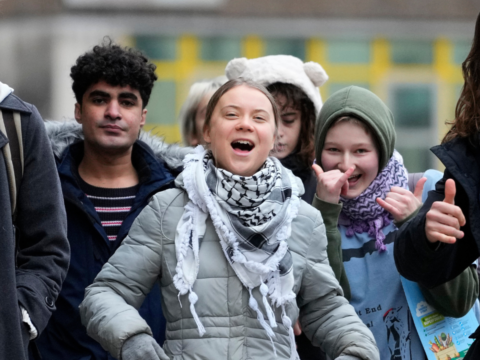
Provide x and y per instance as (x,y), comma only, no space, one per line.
(5,90)
(64,133)
(364,105)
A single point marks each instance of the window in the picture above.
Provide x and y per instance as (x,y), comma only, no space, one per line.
(334,87)
(157,47)
(294,47)
(412,52)
(460,51)
(349,51)
(413,107)
(220,49)
(161,107)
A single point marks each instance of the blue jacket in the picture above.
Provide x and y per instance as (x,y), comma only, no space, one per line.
(65,337)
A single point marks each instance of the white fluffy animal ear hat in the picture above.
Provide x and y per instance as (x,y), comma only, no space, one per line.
(281,68)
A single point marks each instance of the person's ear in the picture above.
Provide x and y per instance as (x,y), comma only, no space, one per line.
(78,113)
(274,139)
(144,118)
(206,134)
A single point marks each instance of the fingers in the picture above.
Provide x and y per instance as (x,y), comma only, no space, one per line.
(297,330)
(447,214)
(419,188)
(318,170)
(345,188)
(390,208)
(436,236)
(450,191)
(443,222)
(400,202)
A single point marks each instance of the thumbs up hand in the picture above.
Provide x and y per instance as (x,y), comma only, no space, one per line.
(401,203)
(444,219)
(332,184)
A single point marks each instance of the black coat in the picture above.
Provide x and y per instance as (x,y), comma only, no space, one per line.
(419,261)
(43,251)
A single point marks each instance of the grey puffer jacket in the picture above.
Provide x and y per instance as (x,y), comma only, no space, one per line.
(232,329)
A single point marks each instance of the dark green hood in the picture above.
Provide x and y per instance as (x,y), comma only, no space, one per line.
(364,105)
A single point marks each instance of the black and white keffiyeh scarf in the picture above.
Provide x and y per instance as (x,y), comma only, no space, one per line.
(252,217)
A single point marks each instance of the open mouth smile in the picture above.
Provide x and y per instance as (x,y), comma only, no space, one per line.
(242,146)
(352,180)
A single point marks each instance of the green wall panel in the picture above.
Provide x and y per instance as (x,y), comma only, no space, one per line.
(294,47)
(412,52)
(460,51)
(220,49)
(349,51)
(161,107)
(413,106)
(157,47)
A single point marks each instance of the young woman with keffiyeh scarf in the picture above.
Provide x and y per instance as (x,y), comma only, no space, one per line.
(362,187)
(237,254)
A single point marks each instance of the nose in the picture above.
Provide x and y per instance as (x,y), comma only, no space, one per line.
(244,124)
(112,110)
(280,130)
(346,161)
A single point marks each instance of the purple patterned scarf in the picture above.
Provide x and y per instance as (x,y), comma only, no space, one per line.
(363,214)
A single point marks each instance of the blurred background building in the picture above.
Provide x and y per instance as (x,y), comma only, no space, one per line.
(408,52)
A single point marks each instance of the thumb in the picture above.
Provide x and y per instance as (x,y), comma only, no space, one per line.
(318,170)
(450,191)
(419,188)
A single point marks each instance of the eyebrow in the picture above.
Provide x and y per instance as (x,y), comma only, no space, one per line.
(357,144)
(239,107)
(128,95)
(290,113)
(123,95)
(98,93)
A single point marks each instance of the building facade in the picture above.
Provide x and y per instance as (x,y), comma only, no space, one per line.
(409,55)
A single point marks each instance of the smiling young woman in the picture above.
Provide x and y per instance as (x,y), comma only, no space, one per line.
(364,198)
(240,128)
(238,256)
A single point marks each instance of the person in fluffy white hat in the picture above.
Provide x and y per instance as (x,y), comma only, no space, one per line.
(295,87)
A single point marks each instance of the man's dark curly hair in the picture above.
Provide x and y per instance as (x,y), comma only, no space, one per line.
(117,66)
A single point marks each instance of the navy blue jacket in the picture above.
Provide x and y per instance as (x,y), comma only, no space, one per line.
(65,337)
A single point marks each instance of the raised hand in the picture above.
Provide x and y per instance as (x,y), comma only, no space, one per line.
(401,203)
(444,219)
(332,184)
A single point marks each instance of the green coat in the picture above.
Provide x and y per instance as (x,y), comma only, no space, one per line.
(232,329)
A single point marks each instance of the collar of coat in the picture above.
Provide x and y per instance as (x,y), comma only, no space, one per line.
(64,133)
(13,102)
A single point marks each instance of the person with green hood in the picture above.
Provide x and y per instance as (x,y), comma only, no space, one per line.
(363,195)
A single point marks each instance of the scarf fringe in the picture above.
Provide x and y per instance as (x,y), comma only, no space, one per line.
(288,324)
(187,229)
(254,306)
(268,308)
(193,298)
